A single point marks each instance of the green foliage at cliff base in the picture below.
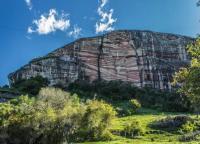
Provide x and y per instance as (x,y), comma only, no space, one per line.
(54,116)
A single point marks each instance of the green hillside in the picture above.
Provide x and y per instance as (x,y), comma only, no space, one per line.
(152,136)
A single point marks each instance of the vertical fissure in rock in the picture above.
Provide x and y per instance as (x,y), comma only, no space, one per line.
(77,49)
(81,71)
(100,50)
(134,46)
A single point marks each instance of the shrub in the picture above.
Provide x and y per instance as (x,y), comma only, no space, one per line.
(189,126)
(134,129)
(126,108)
(135,104)
(171,123)
(6,109)
(97,120)
(54,117)
(106,136)
(190,137)
(123,108)
(57,98)
(31,86)
(163,100)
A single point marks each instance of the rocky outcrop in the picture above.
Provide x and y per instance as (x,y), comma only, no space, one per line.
(144,58)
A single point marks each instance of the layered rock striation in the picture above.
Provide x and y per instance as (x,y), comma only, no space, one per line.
(143,58)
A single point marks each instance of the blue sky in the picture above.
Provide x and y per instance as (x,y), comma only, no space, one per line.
(32,28)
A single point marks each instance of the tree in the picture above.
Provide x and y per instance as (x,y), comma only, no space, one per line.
(135,104)
(31,86)
(54,117)
(5,86)
(96,121)
(189,78)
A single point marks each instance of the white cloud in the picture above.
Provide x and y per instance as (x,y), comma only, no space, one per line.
(75,32)
(29,4)
(30,30)
(50,23)
(103,3)
(106,18)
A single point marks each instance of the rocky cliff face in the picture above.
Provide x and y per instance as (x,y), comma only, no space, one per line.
(142,57)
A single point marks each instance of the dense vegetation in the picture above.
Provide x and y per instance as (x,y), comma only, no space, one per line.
(30,86)
(142,131)
(117,92)
(189,78)
(54,116)
(108,112)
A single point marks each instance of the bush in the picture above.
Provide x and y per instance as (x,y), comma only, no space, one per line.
(135,104)
(123,108)
(97,120)
(126,108)
(134,129)
(171,123)
(31,86)
(189,126)
(57,98)
(190,137)
(54,117)
(163,100)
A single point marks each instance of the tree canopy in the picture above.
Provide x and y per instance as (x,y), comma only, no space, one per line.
(54,117)
(189,78)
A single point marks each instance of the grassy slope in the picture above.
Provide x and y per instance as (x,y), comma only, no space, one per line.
(145,116)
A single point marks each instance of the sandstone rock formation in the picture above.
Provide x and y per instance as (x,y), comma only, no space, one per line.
(144,58)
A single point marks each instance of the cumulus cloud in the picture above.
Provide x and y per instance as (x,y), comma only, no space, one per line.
(50,23)
(76,32)
(106,18)
(29,4)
